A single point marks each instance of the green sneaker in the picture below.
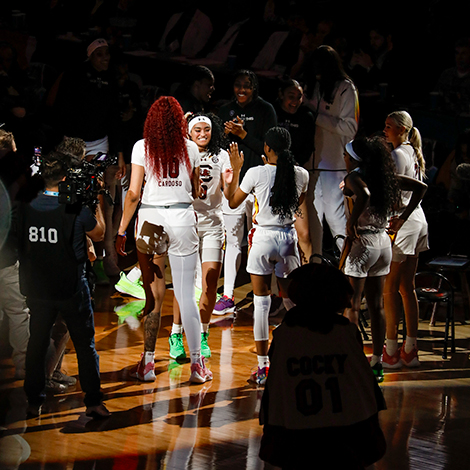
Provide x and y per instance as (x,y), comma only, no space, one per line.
(378,371)
(205,349)
(125,286)
(130,313)
(177,347)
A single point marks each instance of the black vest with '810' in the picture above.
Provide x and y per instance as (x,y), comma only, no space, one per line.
(48,265)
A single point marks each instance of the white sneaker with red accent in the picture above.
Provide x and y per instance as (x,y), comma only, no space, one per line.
(393,361)
(200,373)
(410,359)
(146,367)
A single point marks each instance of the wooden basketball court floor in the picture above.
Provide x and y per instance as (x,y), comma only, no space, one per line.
(171,424)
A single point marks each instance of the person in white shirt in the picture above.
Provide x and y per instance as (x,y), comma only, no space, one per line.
(333,98)
(206,130)
(279,187)
(373,190)
(166,224)
(410,241)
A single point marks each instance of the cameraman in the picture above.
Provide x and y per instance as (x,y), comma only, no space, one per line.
(53,235)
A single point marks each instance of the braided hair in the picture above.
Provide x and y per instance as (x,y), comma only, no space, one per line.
(284,194)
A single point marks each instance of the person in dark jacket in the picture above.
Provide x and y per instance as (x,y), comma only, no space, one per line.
(247,118)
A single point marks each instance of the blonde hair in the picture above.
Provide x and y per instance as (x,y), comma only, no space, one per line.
(403,119)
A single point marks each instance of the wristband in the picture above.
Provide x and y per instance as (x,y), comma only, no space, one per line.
(119,235)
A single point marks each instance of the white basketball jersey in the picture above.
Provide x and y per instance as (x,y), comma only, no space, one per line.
(175,185)
(209,204)
(259,180)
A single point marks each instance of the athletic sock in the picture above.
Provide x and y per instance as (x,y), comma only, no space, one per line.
(288,304)
(410,344)
(263,361)
(375,359)
(391,346)
(149,356)
(196,357)
(176,329)
(204,327)
(134,274)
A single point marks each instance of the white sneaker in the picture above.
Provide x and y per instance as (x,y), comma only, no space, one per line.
(146,368)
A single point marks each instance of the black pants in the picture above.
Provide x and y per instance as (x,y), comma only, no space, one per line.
(78,316)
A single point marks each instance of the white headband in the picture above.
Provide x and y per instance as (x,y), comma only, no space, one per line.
(350,150)
(198,119)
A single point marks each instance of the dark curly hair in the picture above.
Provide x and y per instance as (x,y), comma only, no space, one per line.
(284,195)
(378,171)
(219,139)
(165,131)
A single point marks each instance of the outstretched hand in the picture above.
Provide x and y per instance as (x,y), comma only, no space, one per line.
(236,157)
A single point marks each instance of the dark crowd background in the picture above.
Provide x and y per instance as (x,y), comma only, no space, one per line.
(41,39)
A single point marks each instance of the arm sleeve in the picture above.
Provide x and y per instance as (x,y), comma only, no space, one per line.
(400,162)
(305,180)
(346,123)
(193,154)
(138,153)
(248,182)
(86,219)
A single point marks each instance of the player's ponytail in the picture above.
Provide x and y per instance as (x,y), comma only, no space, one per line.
(284,195)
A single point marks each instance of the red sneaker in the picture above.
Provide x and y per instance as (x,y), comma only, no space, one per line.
(391,362)
(409,359)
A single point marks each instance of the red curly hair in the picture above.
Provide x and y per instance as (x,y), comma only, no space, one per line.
(165,131)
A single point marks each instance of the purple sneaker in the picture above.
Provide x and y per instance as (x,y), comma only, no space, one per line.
(224,305)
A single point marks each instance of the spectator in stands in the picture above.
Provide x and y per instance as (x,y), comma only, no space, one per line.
(454,83)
